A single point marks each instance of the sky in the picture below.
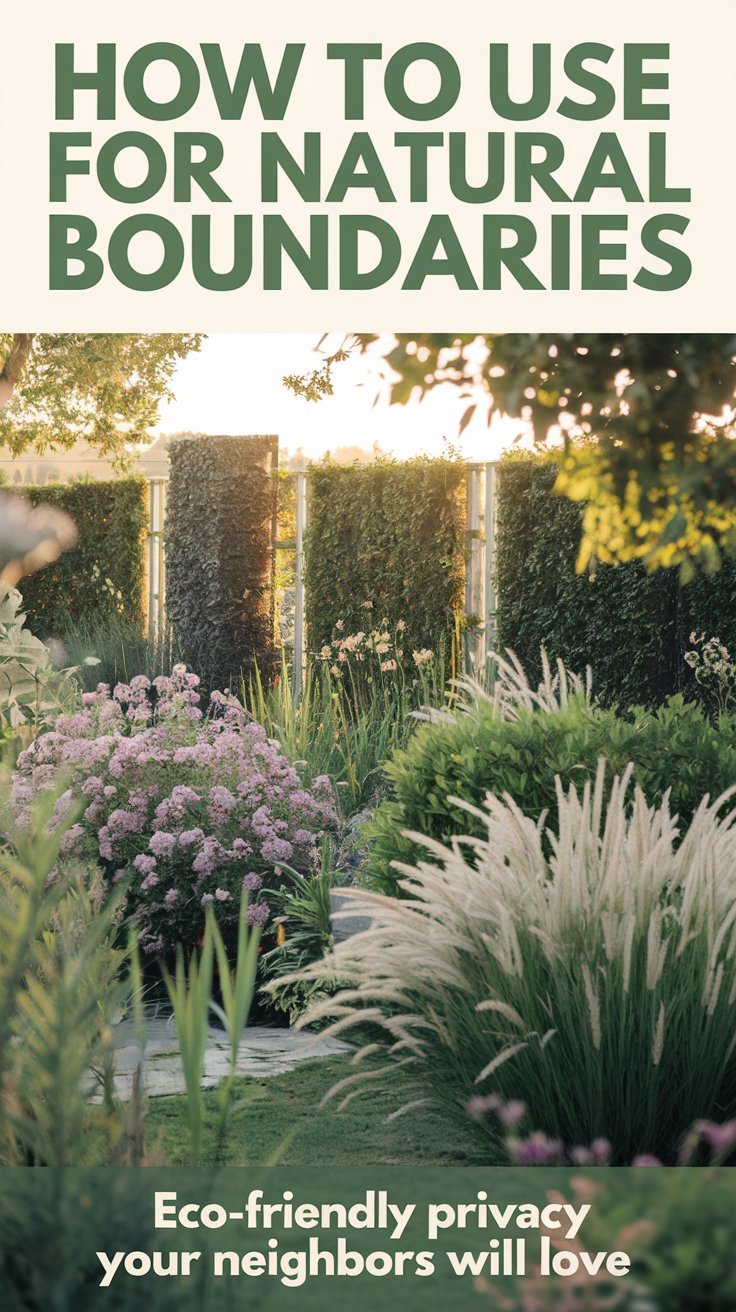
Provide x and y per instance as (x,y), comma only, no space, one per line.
(235,385)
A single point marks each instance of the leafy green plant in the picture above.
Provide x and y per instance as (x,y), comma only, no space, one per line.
(512,742)
(72,993)
(303,914)
(32,693)
(190,992)
(592,975)
(60,983)
(687,1265)
(324,731)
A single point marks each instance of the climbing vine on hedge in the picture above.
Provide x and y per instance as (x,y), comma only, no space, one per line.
(219,558)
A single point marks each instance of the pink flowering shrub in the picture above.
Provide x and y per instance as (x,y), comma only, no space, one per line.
(189,808)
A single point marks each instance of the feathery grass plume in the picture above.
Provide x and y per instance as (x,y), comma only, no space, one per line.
(508,690)
(589,971)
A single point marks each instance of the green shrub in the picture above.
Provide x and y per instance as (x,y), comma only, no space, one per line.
(385,539)
(630,626)
(103,575)
(219,558)
(592,976)
(476,750)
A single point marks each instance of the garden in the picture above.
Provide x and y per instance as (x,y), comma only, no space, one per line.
(487,903)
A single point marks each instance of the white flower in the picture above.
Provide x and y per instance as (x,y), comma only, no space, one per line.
(421,657)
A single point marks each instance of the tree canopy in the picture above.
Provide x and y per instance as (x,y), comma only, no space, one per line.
(646,419)
(105,388)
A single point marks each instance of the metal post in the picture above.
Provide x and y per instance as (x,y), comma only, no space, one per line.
(473,574)
(299,627)
(161,609)
(151,556)
(490,559)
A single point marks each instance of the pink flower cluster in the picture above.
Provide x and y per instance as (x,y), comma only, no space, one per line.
(381,650)
(706,1143)
(187,809)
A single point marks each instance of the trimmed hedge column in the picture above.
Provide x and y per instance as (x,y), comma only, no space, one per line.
(103,575)
(219,556)
(385,539)
(631,627)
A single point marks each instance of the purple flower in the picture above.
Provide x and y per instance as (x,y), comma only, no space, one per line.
(276,849)
(92,786)
(237,805)
(646,1159)
(537,1150)
(720,1138)
(598,1154)
(189,837)
(162,843)
(510,1113)
(71,839)
(258,913)
(144,863)
(483,1103)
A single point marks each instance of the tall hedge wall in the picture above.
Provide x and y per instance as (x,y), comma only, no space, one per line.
(390,533)
(630,626)
(219,559)
(104,573)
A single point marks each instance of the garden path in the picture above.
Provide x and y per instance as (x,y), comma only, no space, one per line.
(264,1051)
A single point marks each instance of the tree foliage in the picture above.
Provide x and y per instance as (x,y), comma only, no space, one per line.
(659,478)
(105,388)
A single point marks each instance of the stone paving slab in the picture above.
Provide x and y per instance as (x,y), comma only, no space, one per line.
(263,1051)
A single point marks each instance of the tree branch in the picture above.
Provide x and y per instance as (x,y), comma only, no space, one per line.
(13,366)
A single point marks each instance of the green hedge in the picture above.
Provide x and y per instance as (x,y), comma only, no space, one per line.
(219,557)
(390,533)
(631,627)
(104,573)
(675,747)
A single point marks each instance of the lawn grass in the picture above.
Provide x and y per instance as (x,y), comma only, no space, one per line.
(278,1119)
